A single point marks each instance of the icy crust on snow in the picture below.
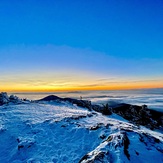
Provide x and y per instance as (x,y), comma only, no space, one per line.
(42,132)
(58,132)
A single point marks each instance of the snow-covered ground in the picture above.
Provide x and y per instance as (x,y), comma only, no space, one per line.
(60,132)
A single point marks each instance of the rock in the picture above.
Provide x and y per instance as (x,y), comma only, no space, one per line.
(121,147)
(25,142)
(126,143)
(118,142)
(96,127)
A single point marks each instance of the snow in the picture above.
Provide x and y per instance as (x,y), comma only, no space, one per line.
(60,132)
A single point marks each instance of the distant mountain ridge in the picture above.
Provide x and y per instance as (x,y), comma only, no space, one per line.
(139,115)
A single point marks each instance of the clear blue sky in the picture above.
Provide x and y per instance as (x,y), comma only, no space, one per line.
(103,38)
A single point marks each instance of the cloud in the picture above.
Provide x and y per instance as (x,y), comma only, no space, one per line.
(64,66)
(51,58)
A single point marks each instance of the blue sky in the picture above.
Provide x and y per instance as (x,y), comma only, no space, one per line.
(98,39)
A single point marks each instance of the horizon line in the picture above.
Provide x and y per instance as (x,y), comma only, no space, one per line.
(77,90)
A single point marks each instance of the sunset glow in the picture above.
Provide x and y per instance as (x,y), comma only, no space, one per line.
(68,46)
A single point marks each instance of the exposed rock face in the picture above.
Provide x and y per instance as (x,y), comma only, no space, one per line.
(118,142)
(121,147)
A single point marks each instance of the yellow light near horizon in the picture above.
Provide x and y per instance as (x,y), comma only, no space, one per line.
(72,82)
(83,86)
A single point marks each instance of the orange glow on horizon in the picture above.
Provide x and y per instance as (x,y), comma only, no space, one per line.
(93,88)
(76,83)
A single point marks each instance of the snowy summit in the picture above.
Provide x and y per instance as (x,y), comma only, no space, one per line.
(65,130)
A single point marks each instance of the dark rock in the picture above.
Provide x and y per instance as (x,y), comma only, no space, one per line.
(137,153)
(156,140)
(103,136)
(84,158)
(109,138)
(99,125)
(78,117)
(100,156)
(159,149)
(97,158)
(25,143)
(103,153)
(126,143)
(20,146)
(148,139)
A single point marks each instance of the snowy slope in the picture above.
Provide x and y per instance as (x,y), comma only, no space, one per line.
(60,132)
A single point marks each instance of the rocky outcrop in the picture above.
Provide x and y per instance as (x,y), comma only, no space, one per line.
(115,143)
(124,146)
